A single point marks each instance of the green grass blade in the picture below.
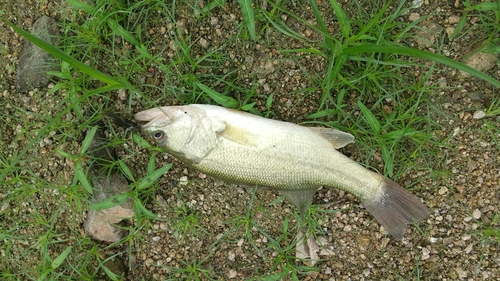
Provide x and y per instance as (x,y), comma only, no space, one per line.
(148,180)
(88,139)
(82,177)
(484,7)
(460,26)
(49,48)
(344,22)
(322,26)
(111,202)
(60,259)
(122,32)
(249,17)
(283,28)
(375,20)
(371,120)
(140,209)
(218,97)
(125,170)
(142,142)
(151,163)
(79,5)
(370,48)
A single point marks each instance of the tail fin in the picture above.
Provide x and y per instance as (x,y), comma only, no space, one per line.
(396,208)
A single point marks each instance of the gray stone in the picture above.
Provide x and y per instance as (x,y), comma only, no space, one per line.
(428,34)
(479,61)
(34,62)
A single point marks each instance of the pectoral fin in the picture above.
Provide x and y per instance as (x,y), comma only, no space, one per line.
(302,199)
(337,138)
(237,134)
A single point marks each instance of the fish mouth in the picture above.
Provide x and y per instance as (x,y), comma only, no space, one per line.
(152,116)
(121,121)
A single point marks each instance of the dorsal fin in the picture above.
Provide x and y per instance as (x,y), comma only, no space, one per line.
(337,138)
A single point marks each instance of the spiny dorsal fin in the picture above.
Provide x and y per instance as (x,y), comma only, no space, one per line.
(337,138)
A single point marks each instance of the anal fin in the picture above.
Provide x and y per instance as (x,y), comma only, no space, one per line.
(302,199)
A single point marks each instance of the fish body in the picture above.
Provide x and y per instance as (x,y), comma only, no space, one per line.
(294,160)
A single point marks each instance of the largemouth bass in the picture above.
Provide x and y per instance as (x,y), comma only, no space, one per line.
(294,160)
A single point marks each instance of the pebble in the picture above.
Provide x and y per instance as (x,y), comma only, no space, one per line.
(443,190)
(214,21)
(204,43)
(417,3)
(476,214)
(469,247)
(453,19)
(461,273)
(425,253)
(479,114)
(231,256)
(183,180)
(232,274)
(366,272)
(413,17)
(428,34)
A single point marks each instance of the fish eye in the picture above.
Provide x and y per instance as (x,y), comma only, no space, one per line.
(158,135)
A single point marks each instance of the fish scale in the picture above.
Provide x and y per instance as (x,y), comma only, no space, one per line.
(246,149)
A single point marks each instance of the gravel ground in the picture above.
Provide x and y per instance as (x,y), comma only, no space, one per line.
(462,188)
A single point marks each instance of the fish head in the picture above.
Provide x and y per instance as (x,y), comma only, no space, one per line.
(182,131)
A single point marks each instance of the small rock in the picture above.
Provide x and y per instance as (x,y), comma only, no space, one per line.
(479,61)
(479,114)
(443,190)
(476,214)
(413,17)
(4,207)
(453,19)
(183,180)
(469,247)
(425,253)
(35,62)
(231,256)
(232,274)
(416,3)
(204,43)
(366,272)
(449,31)
(461,273)
(428,34)
(214,21)
(240,242)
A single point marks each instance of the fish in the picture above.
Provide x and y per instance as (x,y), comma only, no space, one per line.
(294,160)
